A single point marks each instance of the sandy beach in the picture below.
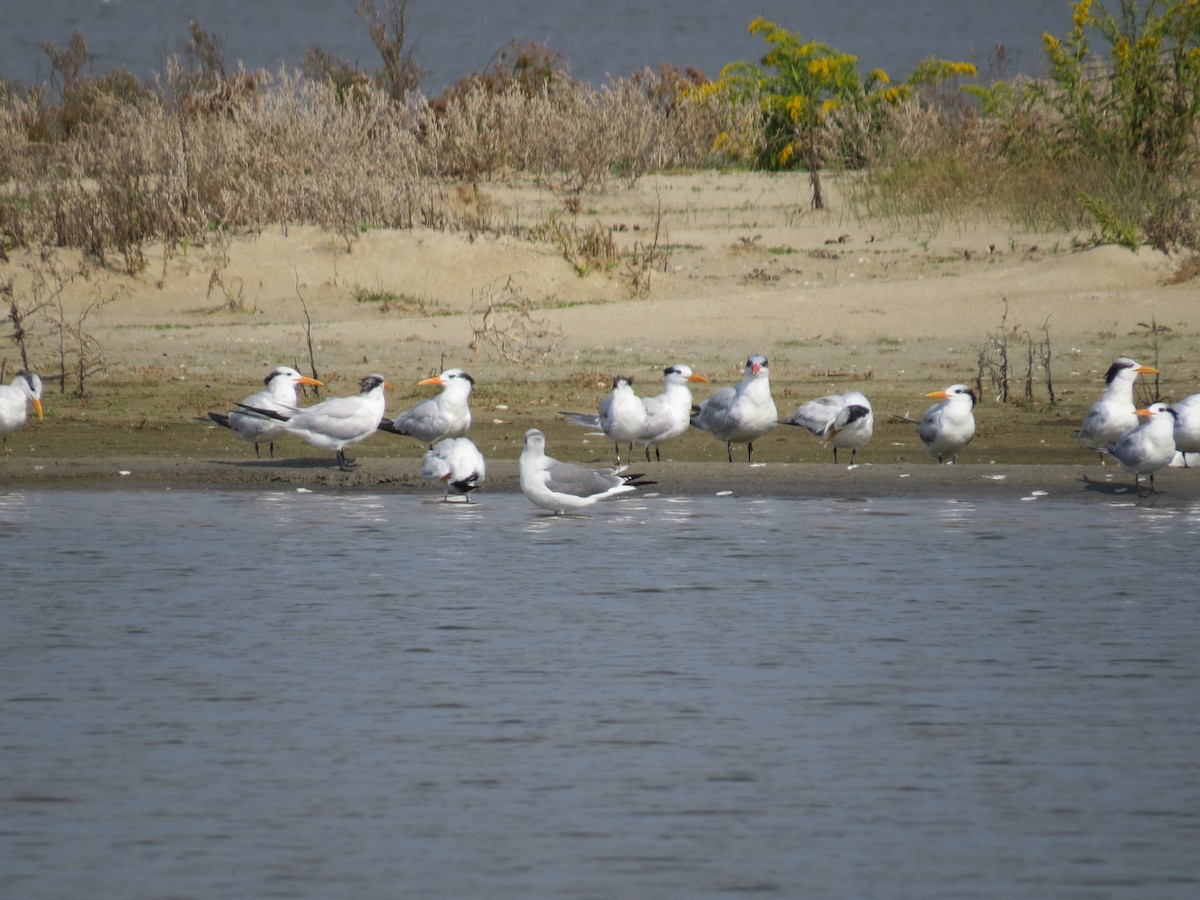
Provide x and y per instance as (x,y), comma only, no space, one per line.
(837,302)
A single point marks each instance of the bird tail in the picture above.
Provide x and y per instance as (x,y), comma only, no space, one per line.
(587,420)
(265,413)
(466,484)
(636,480)
(220,418)
(390,426)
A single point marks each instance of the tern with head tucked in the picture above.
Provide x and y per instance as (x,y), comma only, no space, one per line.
(740,414)
(839,420)
(1114,413)
(457,464)
(15,398)
(948,426)
(336,423)
(445,416)
(562,487)
(622,415)
(1147,447)
(279,396)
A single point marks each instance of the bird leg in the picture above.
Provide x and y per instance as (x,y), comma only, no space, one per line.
(345,463)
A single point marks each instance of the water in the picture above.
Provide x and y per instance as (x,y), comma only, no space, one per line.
(331,695)
(453,39)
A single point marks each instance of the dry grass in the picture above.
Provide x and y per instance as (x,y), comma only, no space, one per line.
(196,157)
(261,150)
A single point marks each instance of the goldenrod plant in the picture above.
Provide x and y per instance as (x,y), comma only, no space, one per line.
(1124,118)
(800,84)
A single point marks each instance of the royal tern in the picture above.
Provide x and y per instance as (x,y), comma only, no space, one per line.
(622,415)
(456,463)
(444,416)
(560,486)
(1147,447)
(669,414)
(740,414)
(280,396)
(336,423)
(1187,425)
(1114,413)
(948,426)
(840,420)
(15,397)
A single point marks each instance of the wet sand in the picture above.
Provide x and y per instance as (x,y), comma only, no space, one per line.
(1090,482)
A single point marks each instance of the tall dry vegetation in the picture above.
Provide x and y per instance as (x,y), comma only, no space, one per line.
(1109,139)
(108,164)
(205,152)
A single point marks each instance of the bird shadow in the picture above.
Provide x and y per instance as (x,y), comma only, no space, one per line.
(1115,489)
(302,462)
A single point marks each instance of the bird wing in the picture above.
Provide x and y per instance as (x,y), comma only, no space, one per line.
(565,478)
(818,416)
(714,408)
(931,423)
(340,417)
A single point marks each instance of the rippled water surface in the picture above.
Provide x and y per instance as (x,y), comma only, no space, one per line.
(239,694)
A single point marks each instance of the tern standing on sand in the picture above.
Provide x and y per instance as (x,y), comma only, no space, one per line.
(445,416)
(948,426)
(622,415)
(337,423)
(740,414)
(15,397)
(839,420)
(668,415)
(1114,413)
(279,396)
(1147,447)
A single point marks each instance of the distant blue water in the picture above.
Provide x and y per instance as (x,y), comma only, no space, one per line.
(454,38)
(332,695)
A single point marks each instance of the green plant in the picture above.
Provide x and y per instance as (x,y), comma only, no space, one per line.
(1122,125)
(1112,228)
(800,85)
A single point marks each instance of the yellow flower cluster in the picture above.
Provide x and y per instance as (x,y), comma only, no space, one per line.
(786,154)
(702,91)
(823,68)
(1082,16)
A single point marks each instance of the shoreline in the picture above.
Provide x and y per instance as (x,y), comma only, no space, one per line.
(835,301)
(681,479)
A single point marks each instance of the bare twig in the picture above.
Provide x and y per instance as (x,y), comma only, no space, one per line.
(506,325)
(308,339)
